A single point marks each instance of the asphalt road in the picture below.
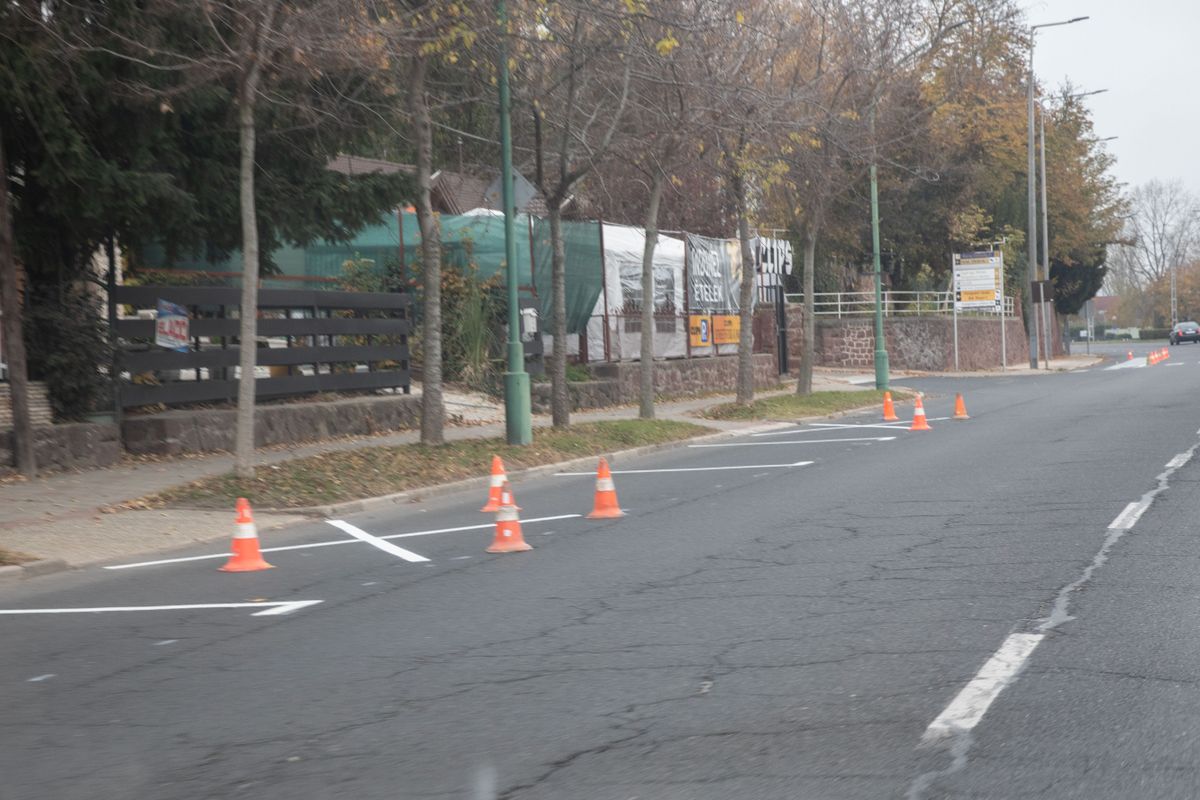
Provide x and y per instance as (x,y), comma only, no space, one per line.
(946,614)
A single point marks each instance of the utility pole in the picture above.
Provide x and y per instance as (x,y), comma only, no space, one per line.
(881,355)
(1045,242)
(518,421)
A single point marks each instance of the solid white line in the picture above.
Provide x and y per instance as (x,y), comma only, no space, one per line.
(1129,517)
(375,541)
(336,542)
(1176,364)
(688,469)
(270,609)
(165,642)
(799,441)
(965,710)
(41,678)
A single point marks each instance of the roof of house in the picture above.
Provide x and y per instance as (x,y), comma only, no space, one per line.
(1106,303)
(358,165)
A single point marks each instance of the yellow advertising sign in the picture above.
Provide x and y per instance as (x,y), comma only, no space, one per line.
(727,328)
(977,296)
(700,330)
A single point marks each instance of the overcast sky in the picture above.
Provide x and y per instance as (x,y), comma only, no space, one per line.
(1144,52)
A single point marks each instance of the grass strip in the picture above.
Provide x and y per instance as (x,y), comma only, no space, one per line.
(791,406)
(374,471)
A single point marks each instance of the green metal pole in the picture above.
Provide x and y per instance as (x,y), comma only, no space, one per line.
(517,405)
(881,356)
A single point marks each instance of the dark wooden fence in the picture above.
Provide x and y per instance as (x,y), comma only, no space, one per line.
(336,341)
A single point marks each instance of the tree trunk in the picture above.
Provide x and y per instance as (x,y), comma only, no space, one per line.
(745,370)
(809,351)
(1064,330)
(248,331)
(433,410)
(646,409)
(14,338)
(560,403)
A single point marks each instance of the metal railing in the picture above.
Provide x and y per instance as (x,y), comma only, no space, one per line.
(895,304)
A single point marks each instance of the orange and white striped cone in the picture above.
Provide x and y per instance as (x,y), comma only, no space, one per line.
(246,556)
(960,408)
(605,506)
(1130,353)
(919,423)
(495,485)
(508,537)
(1166,353)
(889,410)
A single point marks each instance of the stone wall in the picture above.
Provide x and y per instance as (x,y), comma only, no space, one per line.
(583,394)
(920,343)
(40,412)
(687,377)
(178,432)
(82,445)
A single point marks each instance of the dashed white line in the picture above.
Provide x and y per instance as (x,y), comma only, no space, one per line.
(967,709)
(1130,515)
(40,678)
(269,609)
(799,441)
(162,561)
(690,469)
(375,541)
(165,642)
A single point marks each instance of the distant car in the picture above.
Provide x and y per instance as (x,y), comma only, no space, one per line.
(1185,332)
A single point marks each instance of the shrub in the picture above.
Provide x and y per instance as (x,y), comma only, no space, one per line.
(69,349)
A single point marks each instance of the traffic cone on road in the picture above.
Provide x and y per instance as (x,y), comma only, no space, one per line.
(246,556)
(919,423)
(960,408)
(495,485)
(508,537)
(1130,356)
(606,506)
(889,410)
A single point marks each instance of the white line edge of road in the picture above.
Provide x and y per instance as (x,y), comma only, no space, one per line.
(275,609)
(968,707)
(375,541)
(686,469)
(799,441)
(1133,512)
(161,561)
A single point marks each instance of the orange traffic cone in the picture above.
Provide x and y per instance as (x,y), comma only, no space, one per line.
(495,485)
(919,423)
(606,506)
(1130,356)
(889,410)
(508,526)
(1166,353)
(246,556)
(960,408)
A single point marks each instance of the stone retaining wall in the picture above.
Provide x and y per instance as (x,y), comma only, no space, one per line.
(922,343)
(82,445)
(179,432)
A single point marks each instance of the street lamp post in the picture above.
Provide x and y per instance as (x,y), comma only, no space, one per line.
(518,421)
(1031,323)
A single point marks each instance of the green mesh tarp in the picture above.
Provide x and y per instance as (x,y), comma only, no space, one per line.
(584,270)
(470,238)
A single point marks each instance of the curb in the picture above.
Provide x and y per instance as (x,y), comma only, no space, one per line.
(32,569)
(424,493)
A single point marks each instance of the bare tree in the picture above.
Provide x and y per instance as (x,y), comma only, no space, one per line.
(14,337)
(576,78)
(1162,232)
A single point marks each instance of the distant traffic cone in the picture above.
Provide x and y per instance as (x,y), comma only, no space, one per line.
(1130,356)
(246,556)
(889,410)
(960,408)
(919,423)
(508,526)
(1166,353)
(606,506)
(495,485)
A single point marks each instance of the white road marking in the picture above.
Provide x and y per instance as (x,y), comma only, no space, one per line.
(798,441)
(1132,513)
(460,558)
(967,709)
(1178,461)
(338,541)
(165,642)
(269,609)
(375,541)
(1176,364)
(690,469)
(826,428)
(40,678)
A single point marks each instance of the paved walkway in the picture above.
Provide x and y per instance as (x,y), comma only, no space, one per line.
(73,516)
